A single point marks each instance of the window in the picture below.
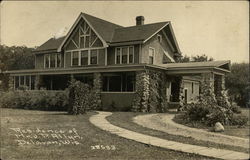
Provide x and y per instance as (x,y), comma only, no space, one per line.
(46,56)
(131,54)
(124,55)
(159,37)
(151,55)
(52,61)
(75,58)
(16,82)
(84,57)
(58,60)
(192,87)
(27,81)
(32,87)
(118,55)
(22,80)
(119,82)
(93,55)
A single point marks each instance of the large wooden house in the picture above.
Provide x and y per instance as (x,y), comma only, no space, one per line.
(115,60)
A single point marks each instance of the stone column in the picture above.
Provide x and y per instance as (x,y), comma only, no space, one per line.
(97,87)
(38,82)
(140,102)
(207,86)
(11,83)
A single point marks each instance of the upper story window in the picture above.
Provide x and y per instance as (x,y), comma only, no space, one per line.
(93,56)
(151,54)
(84,57)
(75,58)
(52,60)
(159,37)
(124,55)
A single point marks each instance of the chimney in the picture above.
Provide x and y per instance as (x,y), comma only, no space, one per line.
(139,20)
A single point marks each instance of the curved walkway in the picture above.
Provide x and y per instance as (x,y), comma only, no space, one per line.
(100,121)
(164,123)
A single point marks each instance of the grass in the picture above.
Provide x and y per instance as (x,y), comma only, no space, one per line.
(91,135)
(238,131)
(124,119)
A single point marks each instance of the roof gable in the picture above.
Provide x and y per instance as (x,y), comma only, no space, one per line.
(136,33)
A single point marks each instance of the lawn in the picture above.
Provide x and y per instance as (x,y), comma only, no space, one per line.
(124,119)
(238,131)
(56,135)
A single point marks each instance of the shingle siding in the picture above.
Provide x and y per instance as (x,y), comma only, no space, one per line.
(154,43)
(39,61)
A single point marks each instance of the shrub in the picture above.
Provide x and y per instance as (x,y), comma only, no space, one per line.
(238,119)
(35,99)
(209,111)
(81,97)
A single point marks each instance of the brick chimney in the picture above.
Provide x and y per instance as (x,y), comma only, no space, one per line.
(139,20)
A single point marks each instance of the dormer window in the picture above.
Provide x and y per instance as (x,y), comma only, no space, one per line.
(159,37)
(124,55)
(93,55)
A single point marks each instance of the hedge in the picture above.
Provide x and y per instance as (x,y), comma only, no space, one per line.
(35,100)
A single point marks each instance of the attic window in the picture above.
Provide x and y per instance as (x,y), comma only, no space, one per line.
(159,37)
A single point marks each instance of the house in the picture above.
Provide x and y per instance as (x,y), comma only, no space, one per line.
(125,65)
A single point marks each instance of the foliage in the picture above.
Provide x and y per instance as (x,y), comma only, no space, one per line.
(14,58)
(150,91)
(237,83)
(34,99)
(208,112)
(81,98)
(197,58)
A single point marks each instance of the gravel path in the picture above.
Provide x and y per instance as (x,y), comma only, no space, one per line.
(164,123)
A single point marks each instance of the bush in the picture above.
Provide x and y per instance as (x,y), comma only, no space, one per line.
(81,97)
(238,119)
(35,99)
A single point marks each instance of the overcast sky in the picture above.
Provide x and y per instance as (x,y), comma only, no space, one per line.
(219,29)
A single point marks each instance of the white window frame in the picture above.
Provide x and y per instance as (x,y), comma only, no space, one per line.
(127,54)
(153,54)
(44,59)
(79,56)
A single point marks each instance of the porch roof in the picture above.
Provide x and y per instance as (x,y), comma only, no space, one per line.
(219,67)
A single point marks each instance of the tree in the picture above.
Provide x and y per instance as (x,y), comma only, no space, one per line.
(197,58)
(14,58)
(237,82)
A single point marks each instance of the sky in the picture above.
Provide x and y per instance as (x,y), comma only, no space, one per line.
(219,29)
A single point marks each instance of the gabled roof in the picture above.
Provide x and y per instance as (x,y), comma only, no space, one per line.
(51,44)
(104,28)
(136,33)
(110,33)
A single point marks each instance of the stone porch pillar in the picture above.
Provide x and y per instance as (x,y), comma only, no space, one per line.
(11,83)
(38,82)
(140,102)
(97,87)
